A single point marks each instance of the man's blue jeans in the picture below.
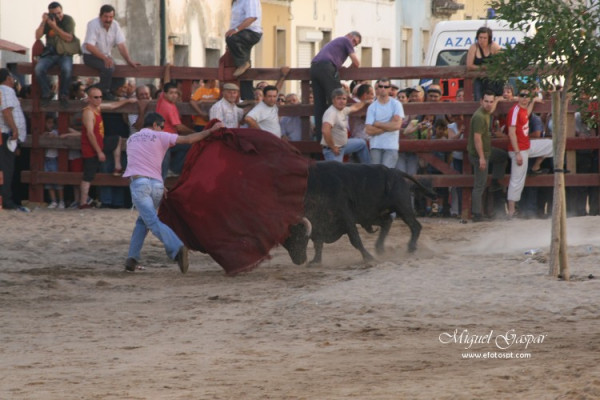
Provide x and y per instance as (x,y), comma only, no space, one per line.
(387,157)
(354,145)
(146,194)
(65,63)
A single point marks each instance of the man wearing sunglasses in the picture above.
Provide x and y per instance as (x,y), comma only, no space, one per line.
(145,152)
(384,119)
(324,75)
(92,139)
(521,148)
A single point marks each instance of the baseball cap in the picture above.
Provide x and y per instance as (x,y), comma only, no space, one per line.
(230,86)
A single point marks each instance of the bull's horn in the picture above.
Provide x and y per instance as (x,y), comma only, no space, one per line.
(308,225)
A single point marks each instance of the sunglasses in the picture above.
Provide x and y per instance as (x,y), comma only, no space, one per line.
(96,97)
(523,94)
(384,86)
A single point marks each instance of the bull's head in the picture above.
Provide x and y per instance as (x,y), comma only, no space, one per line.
(297,241)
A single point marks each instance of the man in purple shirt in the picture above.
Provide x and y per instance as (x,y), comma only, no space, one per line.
(145,152)
(324,74)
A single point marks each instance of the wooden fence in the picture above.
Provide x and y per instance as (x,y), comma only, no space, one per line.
(36,176)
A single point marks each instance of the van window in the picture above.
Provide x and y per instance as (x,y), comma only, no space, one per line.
(451,58)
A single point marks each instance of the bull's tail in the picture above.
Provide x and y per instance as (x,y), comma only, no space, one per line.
(427,191)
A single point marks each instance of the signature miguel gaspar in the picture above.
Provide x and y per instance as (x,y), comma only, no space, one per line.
(502,341)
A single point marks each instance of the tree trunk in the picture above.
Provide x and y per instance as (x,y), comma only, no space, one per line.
(559,263)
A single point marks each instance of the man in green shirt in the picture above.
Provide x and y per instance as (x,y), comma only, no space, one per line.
(56,26)
(481,154)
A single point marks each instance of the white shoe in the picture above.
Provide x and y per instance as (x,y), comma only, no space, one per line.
(61,205)
(53,205)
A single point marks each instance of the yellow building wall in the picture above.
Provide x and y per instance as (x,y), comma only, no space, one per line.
(474,9)
(275,17)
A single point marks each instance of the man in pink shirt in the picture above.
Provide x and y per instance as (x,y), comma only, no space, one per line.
(166,106)
(145,152)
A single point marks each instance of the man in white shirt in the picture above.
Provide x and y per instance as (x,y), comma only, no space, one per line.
(226,109)
(335,140)
(104,33)
(384,119)
(13,128)
(245,30)
(265,115)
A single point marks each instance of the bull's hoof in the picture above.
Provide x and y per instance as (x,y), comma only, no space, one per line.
(412,249)
(379,250)
(314,263)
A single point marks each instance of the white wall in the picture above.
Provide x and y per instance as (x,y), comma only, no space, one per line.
(20,18)
(376,22)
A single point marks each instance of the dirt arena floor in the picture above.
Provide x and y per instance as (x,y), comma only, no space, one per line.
(468,316)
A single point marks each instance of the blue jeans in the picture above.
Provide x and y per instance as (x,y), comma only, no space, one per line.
(354,145)
(387,157)
(146,195)
(65,63)
(112,195)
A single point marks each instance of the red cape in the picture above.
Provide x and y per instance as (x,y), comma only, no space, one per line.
(237,195)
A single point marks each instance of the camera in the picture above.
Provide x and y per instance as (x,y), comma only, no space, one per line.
(51,16)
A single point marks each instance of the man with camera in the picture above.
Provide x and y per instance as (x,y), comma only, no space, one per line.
(59,30)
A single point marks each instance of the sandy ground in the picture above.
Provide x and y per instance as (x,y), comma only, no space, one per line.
(74,325)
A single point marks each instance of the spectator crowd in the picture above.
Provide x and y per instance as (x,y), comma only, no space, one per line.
(361,122)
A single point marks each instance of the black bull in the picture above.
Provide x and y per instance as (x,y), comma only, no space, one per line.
(341,196)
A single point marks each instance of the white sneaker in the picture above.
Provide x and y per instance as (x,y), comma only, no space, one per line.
(53,205)
(61,205)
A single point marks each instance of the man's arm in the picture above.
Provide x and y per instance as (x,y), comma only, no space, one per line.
(183,129)
(512,136)
(532,104)
(251,122)
(88,121)
(139,122)
(245,23)
(125,54)
(393,125)
(196,106)
(108,61)
(8,119)
(198,136)
(479,148)
(39,31)
(113,105)
(328,137)
(354,59)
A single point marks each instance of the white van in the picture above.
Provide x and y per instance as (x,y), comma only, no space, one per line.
(451,40)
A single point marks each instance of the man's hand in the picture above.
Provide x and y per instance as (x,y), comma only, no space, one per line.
(482,164)
(108,62)
(519,158)
(336,150)
(51,22)
(101,156)
(231,32)
(216,127)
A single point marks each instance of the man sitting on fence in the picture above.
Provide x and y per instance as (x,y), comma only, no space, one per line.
(59,28)
(103,33)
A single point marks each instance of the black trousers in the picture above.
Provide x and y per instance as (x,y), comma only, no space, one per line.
(107,83)
(240,45)
(324,78)
(7,166)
